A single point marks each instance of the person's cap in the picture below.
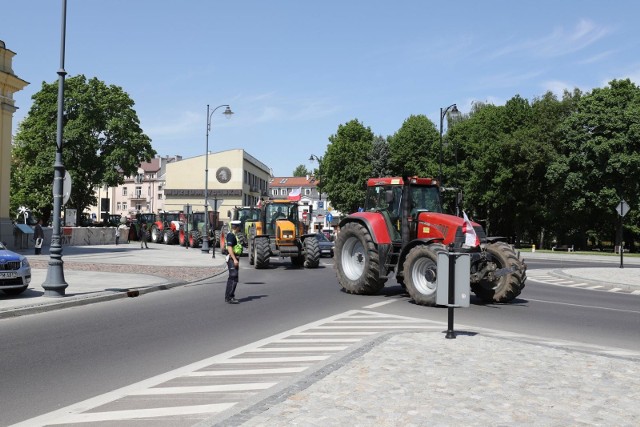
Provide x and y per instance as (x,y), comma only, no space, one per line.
(236,223)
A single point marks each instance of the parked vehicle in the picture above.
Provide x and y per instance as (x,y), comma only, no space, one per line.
(15,272)
(326,246)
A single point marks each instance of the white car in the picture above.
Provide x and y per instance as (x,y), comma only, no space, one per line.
(15,272)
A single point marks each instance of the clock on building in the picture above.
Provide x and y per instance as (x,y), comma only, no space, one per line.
(223,175)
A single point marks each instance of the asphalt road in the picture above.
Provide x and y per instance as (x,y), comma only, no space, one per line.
(55,359)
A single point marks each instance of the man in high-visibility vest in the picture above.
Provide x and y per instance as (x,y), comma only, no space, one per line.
(234,250)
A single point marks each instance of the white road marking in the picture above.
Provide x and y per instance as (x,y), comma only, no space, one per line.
(379,304)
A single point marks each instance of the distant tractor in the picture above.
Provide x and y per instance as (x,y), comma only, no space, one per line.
(280,233)
(166,228)
(142,219)
(402,230)
(247,215)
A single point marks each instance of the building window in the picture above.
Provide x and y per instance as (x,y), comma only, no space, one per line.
(124,206)
(283,191)
(274,191)
(118,206)
(124,191)
(307,191)
(159,196)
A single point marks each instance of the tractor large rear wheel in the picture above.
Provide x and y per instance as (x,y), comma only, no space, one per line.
(194,239)
(506,286)
(156,234)
(262,252)
(169,237)
(420,273)
(311,252)
(357,261)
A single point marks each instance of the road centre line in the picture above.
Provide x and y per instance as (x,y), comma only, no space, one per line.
(584,306)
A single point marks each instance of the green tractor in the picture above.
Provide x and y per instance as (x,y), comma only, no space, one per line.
(142,219)
(247,215)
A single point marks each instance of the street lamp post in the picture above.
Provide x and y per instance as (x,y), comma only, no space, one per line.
(443,113)
(55,285)
(319,160)
(205,239)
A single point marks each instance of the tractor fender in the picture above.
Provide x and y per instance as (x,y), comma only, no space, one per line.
(494,239)
(374,223)
(412,244)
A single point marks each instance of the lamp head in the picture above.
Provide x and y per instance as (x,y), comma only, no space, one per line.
(227,112)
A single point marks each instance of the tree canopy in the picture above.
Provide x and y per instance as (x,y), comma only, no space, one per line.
(300,170)
(543,171)
(103,143)
(346,166)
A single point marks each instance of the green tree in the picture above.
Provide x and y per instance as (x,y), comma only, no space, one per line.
(414,148)
(599,159)
(379,157)
(346,166)
(103,142)
(300,170)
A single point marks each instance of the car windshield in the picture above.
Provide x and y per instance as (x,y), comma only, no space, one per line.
(322,237)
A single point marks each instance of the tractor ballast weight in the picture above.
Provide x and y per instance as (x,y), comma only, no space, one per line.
(280,233)
(401,231)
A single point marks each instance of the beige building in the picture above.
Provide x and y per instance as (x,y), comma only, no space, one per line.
(141,193)
(235,178)
(9,84)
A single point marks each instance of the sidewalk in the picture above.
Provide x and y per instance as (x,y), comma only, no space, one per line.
(483,377)
(105,272)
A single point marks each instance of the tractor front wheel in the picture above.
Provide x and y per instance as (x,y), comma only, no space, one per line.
(420,273)
(357,261)
(311,252)
(251,244)
(507,281)
(262,252)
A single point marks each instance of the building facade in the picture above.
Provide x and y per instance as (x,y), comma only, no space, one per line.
(315,209)
(140,193)
(9,84)
(233,178)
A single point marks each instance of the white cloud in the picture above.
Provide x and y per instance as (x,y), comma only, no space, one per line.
(560,42)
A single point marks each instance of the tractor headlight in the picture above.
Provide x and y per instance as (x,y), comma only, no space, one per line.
(287,234)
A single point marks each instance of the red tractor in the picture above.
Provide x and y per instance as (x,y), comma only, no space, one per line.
(402,229)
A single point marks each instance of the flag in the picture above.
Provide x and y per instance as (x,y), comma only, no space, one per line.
(259,204)
(295,194)
(470,237)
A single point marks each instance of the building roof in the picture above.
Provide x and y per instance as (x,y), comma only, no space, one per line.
(293,181)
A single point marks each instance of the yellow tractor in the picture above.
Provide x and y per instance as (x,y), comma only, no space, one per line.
(280,233)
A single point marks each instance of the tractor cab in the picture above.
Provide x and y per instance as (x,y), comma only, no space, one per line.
(401,203)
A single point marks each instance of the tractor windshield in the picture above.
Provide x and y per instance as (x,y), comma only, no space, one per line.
(425,198)
(384,197)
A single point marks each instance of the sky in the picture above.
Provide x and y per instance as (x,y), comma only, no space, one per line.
(293,71)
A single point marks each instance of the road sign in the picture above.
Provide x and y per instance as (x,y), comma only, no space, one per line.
(304,215)
(329,217)
(622,208)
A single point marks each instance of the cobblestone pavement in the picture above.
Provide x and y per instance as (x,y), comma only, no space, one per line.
(422,379)
(182,273)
